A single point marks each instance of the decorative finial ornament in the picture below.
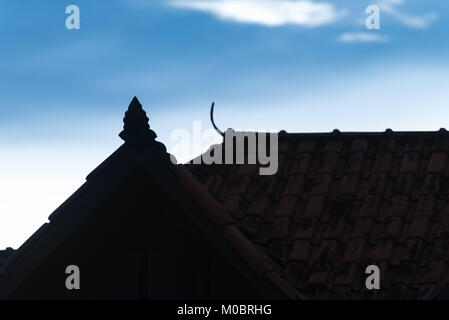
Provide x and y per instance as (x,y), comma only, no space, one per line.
(136,129)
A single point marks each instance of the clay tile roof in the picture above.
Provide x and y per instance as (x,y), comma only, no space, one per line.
(342,201)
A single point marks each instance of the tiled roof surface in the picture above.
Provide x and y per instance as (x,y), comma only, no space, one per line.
(342,201)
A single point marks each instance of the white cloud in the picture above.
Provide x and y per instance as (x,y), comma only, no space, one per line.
(352,37)
(394,2)
(266,12)
(412,21)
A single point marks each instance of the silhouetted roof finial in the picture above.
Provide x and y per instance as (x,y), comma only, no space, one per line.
(136,129)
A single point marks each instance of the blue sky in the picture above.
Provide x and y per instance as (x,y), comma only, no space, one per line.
(302,66)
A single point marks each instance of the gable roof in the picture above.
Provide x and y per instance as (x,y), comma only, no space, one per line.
(342,201)
(339,202)
(141,150)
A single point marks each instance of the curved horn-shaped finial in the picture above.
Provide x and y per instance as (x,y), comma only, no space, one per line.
(212,120)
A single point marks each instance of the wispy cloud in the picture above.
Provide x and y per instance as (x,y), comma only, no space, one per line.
(413,21)
(352,37)
(266,12)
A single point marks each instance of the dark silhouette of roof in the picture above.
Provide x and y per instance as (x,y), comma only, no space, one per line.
(141,150)
(136,129)
(5,254)
(342,201)
(339,202)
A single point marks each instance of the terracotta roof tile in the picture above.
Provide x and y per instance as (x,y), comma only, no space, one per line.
(383,250)
(301,163)
(300,251)
(440,144)
(419,228)
(250,225)
(355,162)
(328,252)
(247,169)
(404,184)
(376,184)
(334,146)
(443,231)
(412,251)
(269,186)
(315,207)
(306,147)
(319,276)
(321,184)
(426,206)
(259,205)
(232,204)
(427,292)
(432,184)
(284,147)
(241,185)
(277,249)
(362,228)
(398,207)
(360,145)
(440,250)
(387,145)
(341,208)
(393,228)
(263,235)
(328,163)
(432,273)
(295,185)
(355,251)
(349,184)
(294,271)
(280,228)
(410,162)
(370,206)
(334,229)
(402,274)
(305,228)
(383,162)
(437,163)
(346,274)
(287,206)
